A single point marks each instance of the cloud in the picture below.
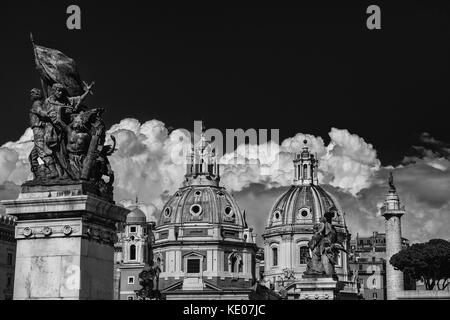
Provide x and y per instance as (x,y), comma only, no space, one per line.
(352,173)
(14,165)
(149,163)
(347,162)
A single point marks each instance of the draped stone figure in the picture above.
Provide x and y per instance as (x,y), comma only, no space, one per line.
(325,248)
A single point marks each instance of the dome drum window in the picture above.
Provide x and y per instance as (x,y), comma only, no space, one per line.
(235,263)
(167,212)
(277,216)
(229,214)
(198,193)
(304,254)
(196,210)
(304,215)
(199,203)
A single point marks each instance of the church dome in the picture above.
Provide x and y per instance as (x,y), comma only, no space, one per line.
(291,225)
(136,215)
(303,204)
(201,198)
(202,203)
(202,242)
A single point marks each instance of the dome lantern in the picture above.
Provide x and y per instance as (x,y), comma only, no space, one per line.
(202,167)
(306,167)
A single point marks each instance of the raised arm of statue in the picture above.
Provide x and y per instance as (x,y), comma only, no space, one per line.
(77,101)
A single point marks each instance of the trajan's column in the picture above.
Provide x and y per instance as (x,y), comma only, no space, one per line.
(392,211)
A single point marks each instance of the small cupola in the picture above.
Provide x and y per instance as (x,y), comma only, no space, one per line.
(202,166)
(306,167)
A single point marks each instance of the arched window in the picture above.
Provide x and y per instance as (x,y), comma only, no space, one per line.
(304,254)
(275,256)
(132,252)
(305,171)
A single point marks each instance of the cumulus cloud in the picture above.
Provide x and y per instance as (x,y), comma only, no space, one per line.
(351,171)
(14,165)
(347,162)
(149,164)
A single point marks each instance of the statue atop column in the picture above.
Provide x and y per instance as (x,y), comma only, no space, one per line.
(69,137)
(391,183)
(325,247)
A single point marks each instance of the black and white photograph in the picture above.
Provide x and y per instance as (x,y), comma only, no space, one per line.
(264,156)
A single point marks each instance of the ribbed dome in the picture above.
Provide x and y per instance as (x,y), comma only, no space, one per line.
(202,203)
(136,216)
(303,204)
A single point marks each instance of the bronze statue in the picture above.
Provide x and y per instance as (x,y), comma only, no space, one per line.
(61,109)
(69,137)
(78,140)
(149,278)
(325,247)
(102,168)
(39,123)
(391,182)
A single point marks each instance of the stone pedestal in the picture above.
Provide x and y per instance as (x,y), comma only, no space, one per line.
(319,288)
(65,237)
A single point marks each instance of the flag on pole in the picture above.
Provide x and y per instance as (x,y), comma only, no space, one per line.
(55,67)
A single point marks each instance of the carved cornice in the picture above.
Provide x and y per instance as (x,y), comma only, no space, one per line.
(287,237)
(88,207)
(65,229)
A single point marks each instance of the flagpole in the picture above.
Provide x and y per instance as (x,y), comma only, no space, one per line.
(37,63)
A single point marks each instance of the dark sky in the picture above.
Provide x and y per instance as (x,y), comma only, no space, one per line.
(303,69)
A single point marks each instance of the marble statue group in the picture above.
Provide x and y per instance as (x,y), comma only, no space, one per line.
(325,247)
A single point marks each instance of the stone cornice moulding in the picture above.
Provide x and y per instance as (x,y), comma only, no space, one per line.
(86,206)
